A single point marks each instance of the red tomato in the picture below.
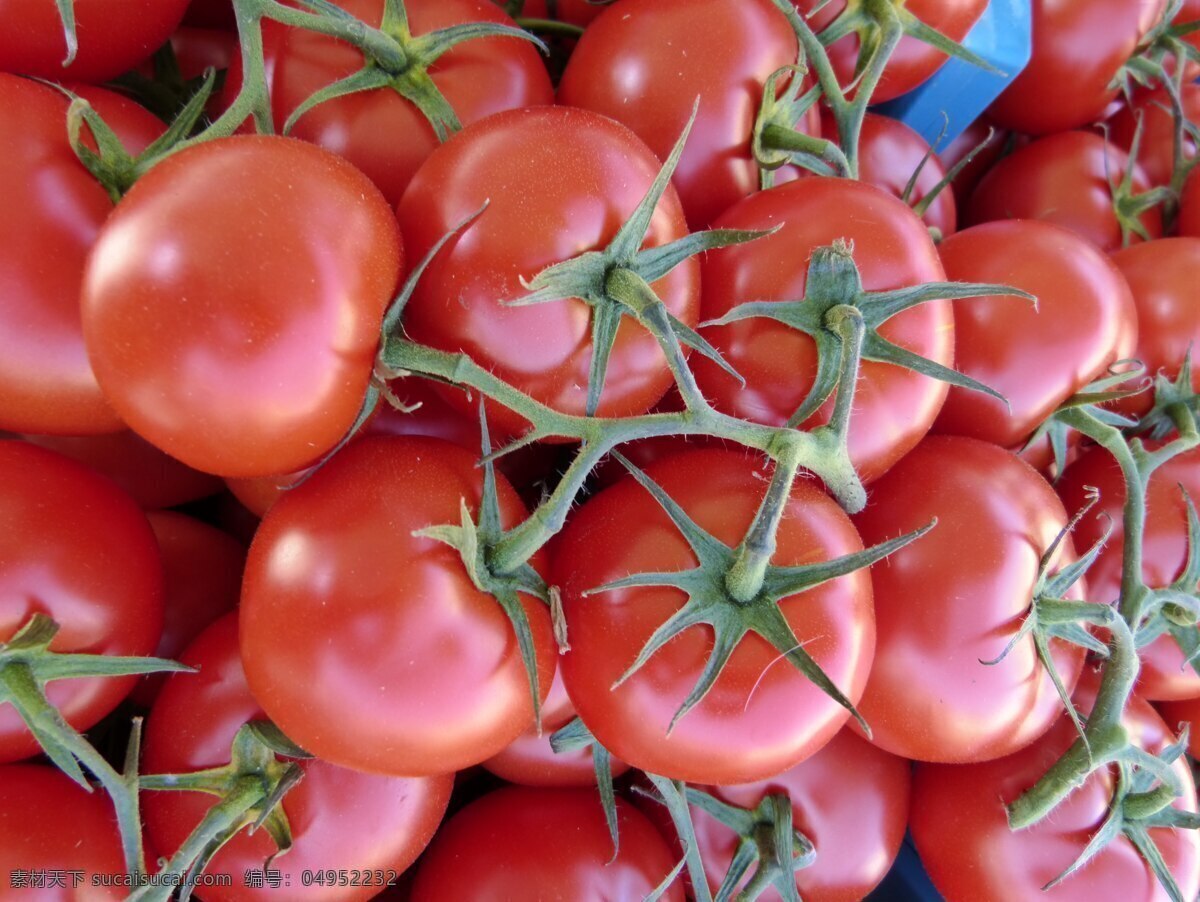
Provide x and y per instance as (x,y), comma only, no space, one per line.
(1164,673)
(113,35)
(53,211)
(520,843)
(955,597)
(893,407)
(258,365)
(720,51)
(762,716)
(1078,48)
(51,825)
(1065,179)
(75,548)
(413,670)
(340,819)
(211,14)
(1036,357)
(1189,207)
(961,829)
(1157,157)
(850,799)
(577,12)
(1163,276)
(601,172)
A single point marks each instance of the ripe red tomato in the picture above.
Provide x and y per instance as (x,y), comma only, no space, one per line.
(1064,179)
(521,843)
(340,819)
(113,35)
(49,824)
(75,548)
(961,829)
(955,598)
(258,365)
(53,211)
(601,173)
(850,799)
(371,647)
(1157,157)
(720,51)
(1189,207)
(1036,357)
(893,407)
(1078,48)
(1164,673)
(762,716)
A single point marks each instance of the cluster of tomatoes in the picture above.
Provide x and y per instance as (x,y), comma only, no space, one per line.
(577,450)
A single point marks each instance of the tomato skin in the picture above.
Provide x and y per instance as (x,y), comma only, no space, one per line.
(577,12)
(929,697)
(893,407)
(531,222)
(1078,46)
(340,819)
(762,715)
(75,548)
(850,799)
(961,830)
(1188,223)
(522,843)
(1157,157)
(1164,674)
(721,51)
(1036,357)
(53,210)
(260,365)
(49,824)
(413,671)
(1064,179)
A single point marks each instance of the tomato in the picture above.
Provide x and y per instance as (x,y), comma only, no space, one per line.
(930,697)
(913,61)
(53,211)
(381,132)
(961,829)
(1157,157)
(993,141)
(403,667)
(75,548)
(893,407)
(211,14)
(520,843)
(1065,179)
(1163,276)
(1036,357)
(1164,673)
(721,51)
(1078,48)
(1189,207)
(850,800)
(258,365)
(577,12)
(48,825)
(340,819)
(113,35)
(601,172)
(762,715)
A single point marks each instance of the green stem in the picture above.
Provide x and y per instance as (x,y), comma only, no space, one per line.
(752,557)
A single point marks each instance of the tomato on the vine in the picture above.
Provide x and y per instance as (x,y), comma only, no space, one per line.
(1157,156)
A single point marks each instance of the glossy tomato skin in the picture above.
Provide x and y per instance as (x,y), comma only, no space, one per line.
(1064,179)
(381,132)
(76,548)
(721,51)
(762,715)
(1157,156)
(113,35)
(1188,223)
(601,172)
(850,799)
(955,597)
(961,830)
(1164,673)
(50,824)
(258,365)
(340,819)
(1036,357)
(371,647)
(54,209)
(893,407)
(522,843)
(1078,47)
